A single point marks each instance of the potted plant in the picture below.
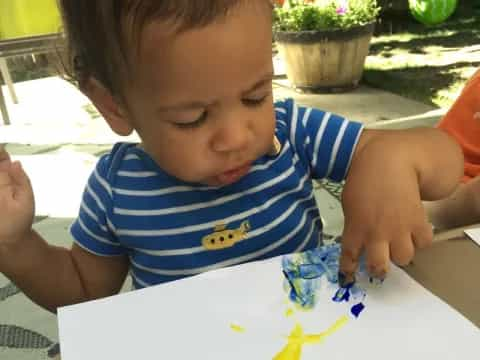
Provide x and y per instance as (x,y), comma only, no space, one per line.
(324,43)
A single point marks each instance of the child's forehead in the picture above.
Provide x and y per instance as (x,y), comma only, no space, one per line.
(158,34)
(149,43)
(221,55)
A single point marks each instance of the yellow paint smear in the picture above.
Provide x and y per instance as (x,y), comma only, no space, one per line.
(289,312)
(237,328)
(297,338)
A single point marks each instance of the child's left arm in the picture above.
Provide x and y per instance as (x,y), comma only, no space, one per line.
(391,172)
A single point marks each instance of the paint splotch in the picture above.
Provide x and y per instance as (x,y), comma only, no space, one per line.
(298,338)
(304,271)
(342,294)
(237,328)
(289,312)
(357,309)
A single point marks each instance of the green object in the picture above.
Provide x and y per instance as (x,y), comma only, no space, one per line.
(432,12)
(19,18)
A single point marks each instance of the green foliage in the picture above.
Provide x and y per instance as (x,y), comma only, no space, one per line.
(304,15)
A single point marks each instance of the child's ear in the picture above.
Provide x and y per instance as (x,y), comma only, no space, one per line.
(112,111)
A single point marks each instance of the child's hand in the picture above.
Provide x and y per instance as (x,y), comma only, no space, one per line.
(385,218)
(16,201)
(391,173)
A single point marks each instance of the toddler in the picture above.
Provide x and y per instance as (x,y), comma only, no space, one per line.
(223,175)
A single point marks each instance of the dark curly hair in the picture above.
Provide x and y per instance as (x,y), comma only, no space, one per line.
(103,35)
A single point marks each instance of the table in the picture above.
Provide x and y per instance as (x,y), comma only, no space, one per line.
(450,269)
(23,46)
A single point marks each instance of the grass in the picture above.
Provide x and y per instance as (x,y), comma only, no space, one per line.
(430,65)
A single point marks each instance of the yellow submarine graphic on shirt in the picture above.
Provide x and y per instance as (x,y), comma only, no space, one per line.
(223,238)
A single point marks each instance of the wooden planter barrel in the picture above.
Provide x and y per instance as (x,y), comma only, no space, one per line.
(325,60)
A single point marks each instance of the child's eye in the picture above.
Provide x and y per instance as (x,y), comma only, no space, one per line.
(255,101)
(195,123)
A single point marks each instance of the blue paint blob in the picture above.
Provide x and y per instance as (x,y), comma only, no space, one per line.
(357,309)
(342,294)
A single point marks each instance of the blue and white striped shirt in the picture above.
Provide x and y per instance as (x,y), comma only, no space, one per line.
(170,229)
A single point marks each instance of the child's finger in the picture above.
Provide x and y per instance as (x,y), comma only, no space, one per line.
(5,167)
(5,178)
(378,257)
(4,159)
(402,251)
(352,245)
(19,176)
(21,180)
(423,235)
(2,150)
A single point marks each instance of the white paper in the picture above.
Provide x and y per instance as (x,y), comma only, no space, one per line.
(191,318)
(474,234)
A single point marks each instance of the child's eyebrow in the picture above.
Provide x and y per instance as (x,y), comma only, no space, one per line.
(193,105)
(263,81)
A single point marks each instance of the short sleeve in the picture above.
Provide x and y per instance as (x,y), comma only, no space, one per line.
(324,142)
(92,230)
(462,121)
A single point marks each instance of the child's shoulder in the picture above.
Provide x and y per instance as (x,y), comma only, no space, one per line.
(289,109)
(291,116)
(111,161)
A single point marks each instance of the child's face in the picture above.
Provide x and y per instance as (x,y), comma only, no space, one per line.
(202,101)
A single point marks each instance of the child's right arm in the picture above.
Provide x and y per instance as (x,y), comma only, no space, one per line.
(51,276)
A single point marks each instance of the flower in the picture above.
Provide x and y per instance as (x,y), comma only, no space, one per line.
(342,7)
(305,15)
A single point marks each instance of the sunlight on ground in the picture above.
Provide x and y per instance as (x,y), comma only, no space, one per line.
(429,64)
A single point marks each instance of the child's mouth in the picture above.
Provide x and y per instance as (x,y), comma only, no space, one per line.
(231,176)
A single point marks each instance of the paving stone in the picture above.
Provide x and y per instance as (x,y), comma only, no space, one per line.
(92,149)
(29,149)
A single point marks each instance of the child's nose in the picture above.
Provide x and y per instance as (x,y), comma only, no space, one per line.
(234,135)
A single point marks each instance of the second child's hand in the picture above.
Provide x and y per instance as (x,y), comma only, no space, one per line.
(16,200)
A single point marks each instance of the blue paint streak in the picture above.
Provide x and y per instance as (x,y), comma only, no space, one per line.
(311,271)
(357,309)
(303,272)
(302,291)
(293,293)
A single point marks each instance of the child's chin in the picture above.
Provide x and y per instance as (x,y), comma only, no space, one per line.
(219,182)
